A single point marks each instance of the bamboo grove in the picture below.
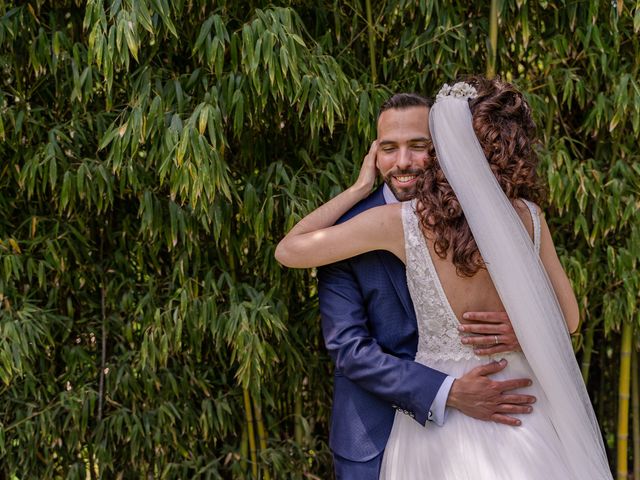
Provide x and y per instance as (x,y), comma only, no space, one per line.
(154,151)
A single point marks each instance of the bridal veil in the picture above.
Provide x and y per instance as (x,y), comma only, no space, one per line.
(522,284)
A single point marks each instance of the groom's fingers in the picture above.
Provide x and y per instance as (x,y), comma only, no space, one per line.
(507,385)
(491,317)
(490,368)
(484,328)
(490,338)
(507,420)
(501,348)
(518,399)
(507,408)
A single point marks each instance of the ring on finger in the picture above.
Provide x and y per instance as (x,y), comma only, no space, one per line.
(495,340)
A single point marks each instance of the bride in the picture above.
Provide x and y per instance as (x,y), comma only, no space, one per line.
(471,240)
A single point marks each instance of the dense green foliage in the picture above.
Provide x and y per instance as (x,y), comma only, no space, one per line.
(154,151)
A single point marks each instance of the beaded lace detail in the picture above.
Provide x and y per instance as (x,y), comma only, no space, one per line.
(438,336)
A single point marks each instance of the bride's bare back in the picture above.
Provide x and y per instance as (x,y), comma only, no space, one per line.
(476,293)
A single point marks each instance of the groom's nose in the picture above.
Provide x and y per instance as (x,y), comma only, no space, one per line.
(404,158)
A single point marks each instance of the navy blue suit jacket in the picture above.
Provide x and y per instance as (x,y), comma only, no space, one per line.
(370,330)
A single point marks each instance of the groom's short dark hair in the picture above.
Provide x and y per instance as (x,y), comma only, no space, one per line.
(405,100)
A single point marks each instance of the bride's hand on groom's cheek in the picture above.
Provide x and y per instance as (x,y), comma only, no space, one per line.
(489,333)
(368,171)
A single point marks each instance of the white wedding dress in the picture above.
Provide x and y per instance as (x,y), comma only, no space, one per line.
(465,448)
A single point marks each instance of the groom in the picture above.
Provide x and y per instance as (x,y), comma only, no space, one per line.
(370,330)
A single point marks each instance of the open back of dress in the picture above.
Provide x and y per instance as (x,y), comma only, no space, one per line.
(464,448)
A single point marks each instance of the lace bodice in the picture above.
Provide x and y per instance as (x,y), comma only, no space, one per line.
(438,336)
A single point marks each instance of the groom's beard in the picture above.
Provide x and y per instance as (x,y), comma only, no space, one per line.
(403,191)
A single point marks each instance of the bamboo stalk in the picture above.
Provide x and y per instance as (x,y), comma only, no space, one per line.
(587,349)
(635,409)
(372,43)
(493,40)
(262,434)
(244,449)
(297,415)
(103,332)
(623,401)
(252,439)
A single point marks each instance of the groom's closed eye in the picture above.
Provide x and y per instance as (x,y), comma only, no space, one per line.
(419,146)
(389,148)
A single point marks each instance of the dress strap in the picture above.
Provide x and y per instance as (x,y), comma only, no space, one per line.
(536,223)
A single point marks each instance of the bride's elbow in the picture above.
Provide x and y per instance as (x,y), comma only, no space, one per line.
(281,254)
(572,318)
(285,255)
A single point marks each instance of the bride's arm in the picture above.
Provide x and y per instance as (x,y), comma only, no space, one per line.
(315,241)
(379,228)
(559,280)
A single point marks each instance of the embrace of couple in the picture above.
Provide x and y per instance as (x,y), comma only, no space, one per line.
(424,281)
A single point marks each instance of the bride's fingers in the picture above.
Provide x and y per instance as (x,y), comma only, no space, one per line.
(368,171)
(373,147)
(370,158)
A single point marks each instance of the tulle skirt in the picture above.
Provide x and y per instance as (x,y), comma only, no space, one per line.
(466,448)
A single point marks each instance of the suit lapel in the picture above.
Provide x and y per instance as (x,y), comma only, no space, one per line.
(394,267)
(397,274)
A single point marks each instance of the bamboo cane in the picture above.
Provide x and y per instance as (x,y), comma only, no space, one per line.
(244,449)
(493,40)
(262,435)
(587,350)
(372,43)
(635,409)
(297,414)
(623,401)
(250,433)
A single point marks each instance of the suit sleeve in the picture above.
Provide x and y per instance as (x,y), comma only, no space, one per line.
(405,384)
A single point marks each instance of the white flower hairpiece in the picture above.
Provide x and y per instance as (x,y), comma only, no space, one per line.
(459,90)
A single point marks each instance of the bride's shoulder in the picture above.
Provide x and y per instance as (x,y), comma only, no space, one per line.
(525,210)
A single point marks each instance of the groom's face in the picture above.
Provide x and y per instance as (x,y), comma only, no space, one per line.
(403,136)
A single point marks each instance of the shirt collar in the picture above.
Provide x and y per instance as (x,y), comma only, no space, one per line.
(389,197)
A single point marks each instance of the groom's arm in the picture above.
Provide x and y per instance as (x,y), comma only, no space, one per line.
(408,385)
(414,388)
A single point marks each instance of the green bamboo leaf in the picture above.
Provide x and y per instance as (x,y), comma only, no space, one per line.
(131,37)
(203,118)
(205,30)
(144,16)
(182,146)
(162,8)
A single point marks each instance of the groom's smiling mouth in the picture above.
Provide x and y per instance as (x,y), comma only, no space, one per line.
(405,179)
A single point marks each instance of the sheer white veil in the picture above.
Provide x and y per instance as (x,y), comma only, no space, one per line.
(521,282)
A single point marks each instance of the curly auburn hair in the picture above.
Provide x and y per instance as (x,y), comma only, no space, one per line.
(503,124)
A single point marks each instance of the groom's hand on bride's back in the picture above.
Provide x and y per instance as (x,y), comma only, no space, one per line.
(478,396)
(488,333)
